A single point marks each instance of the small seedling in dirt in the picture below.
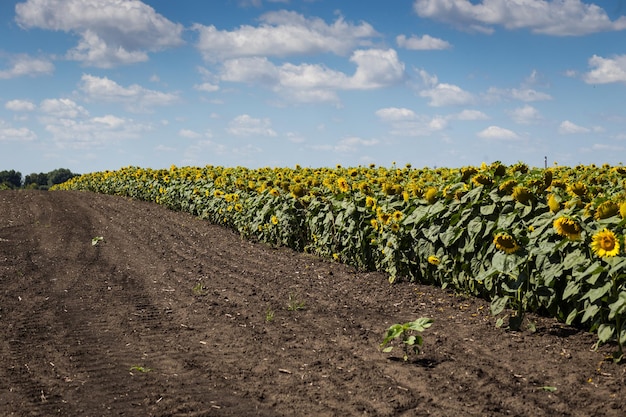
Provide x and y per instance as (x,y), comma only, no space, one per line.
(96,240)
(269,315)
(199,289)
(410,335)
(294,304)
(139,368)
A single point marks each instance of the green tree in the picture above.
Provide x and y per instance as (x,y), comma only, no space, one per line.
(36,181)
(59,176)
(11,179)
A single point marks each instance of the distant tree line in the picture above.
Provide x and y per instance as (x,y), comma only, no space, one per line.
(12,180)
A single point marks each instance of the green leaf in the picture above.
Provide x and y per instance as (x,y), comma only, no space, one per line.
(498,304)
(605,332)
(572,288)
(618,307)
(597,293)
(548,388)
(420,324)
(410,340)
(571,317)
(388,349)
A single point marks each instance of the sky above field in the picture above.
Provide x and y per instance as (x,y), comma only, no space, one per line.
(92,85)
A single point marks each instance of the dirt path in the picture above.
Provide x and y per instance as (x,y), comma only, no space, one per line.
(76,318)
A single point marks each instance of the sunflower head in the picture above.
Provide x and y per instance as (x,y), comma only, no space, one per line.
(431,195)
(434,260)
(522,194)
(622,210)
(481,179)
(506,243)
(577,189)
(395,227)
(606,210)
(605,243)
(567,227)
(554,204)
(397,215)
(343,185)
(507,186)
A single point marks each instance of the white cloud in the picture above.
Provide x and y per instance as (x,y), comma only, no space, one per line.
(19,105)
(393,114)
(443,94)
(447,95)
(497,133)
(63,107)
(376,68)
(93,132)
(522,94)
(606,70)
(470,115)
(568,127)
(352,143)
(244,125)
(206,87)
(22,65)
(558,17)
(112,32)
(405,122)
(525,115)
(282,33)
(15,134)
(189,134)
(135,97)
(426,42)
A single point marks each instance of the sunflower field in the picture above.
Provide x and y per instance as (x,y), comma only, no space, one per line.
(528,239)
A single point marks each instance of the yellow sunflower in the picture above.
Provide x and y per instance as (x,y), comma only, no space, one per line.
(397,215)
(506,243)
(434,260)
(274,220)
(606,210)
(604,243)
(567,227)
(554,204)
(343,185)
(522,194)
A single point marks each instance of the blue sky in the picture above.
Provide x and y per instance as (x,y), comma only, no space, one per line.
(92,85)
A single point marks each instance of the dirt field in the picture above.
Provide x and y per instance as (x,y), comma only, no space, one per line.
(172,316)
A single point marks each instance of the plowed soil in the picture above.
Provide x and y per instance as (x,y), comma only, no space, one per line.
(172,316)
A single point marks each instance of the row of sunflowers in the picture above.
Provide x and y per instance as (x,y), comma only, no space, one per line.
(548,240)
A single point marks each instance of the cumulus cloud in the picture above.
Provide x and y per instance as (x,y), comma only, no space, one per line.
(135,97)
(376,68)
(245,125)
(606,70)
(443,94)
(64,108)
(470,115)
(423,43)
(557,17)
(567,127)
(282,33)
(25,65)
(405,122)
(112,32)
(521,94)
(206,87)
(525,115)
(394,114)
(94,132)
(352,143)
(19,105)
(15,134)
(497,133)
